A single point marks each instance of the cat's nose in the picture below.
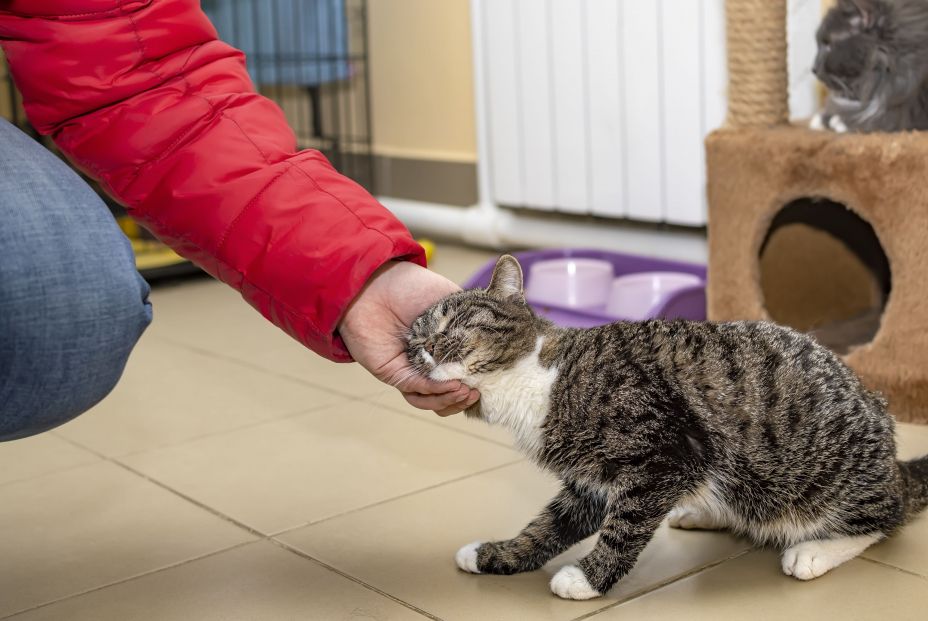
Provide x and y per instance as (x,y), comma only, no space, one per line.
(429,347)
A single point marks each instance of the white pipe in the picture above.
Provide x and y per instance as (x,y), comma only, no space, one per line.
(489,226)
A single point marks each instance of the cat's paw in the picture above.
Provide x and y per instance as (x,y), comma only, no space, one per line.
(466,557)
(690,518)
(811,559)
(837,125)
(571,583)
(817,123)
(805,562)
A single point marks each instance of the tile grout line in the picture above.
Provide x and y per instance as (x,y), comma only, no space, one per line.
(304,555)
(660,585)
(261,536)
(115,461)
(400,497)
(124,580)
(429,421)
(249,365)
(56,470)
(191,440)
(368,399)
(888,566)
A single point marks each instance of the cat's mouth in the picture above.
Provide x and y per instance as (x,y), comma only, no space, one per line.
(441,371)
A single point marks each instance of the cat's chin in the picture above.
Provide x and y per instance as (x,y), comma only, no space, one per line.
(447,372)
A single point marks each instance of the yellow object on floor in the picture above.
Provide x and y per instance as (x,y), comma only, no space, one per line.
(149,254)
(429,247)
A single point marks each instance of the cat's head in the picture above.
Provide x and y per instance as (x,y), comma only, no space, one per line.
(476,332)
(852,49)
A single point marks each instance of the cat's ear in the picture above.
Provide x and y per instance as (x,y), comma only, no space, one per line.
(867,12)
(507,280)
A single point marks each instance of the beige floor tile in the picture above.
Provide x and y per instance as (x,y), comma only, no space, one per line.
(70,531)
(207,314)
(911,440)
(291,472)
(296,362)
(257,581)
(170,394)
(38,455)
(907,549)
(402,545)
(394,401)
(753,587)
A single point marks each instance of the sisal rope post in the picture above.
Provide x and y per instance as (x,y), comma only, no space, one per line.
(758,79)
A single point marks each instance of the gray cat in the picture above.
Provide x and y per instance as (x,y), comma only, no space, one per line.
(746,426)
(873,57)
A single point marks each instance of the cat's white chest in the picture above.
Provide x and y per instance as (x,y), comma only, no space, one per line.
(519,398)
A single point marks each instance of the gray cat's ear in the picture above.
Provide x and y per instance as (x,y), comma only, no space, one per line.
(867,11)
(507,280)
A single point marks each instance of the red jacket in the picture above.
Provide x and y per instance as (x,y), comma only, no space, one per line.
(142,96)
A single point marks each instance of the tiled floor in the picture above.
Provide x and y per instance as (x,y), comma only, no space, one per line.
(232,475)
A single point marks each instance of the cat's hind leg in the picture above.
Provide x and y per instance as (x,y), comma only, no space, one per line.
(694,517)
(810,559)
(701,510)
(573,515)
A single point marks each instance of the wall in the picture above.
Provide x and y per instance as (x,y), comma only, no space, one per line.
(422,100)
(422,79)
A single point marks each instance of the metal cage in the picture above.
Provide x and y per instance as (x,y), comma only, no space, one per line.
(309,56)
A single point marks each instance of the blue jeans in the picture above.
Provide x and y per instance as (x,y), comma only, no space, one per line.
(72,304)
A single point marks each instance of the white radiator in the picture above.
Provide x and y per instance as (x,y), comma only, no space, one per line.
(601,106)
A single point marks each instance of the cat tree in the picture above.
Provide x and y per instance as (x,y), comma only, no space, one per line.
(825,232)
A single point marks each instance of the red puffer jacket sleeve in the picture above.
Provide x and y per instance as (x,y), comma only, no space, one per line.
(142,96)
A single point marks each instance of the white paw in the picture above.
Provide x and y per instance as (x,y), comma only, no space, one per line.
(689,518)
(817,123)
(811,559)
(837,125)
(570,583)
(804,562)
(466,557)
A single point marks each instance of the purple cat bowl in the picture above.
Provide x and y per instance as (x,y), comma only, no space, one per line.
(637,296)
(675,298)
(572,282)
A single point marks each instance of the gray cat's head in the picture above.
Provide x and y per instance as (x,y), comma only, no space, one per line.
(475,332)
(853,48)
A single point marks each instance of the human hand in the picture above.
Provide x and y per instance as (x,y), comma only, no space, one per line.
(373,329)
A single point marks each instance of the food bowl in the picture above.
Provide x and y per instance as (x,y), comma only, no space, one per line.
(687,303)
(569,283)
(636,296)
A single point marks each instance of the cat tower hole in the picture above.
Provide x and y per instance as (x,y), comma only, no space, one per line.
(824,271)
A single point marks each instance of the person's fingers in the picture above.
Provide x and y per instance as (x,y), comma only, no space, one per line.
(472,398)
(438,402)
(425,386)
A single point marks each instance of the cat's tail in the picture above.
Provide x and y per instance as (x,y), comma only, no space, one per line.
(915,484)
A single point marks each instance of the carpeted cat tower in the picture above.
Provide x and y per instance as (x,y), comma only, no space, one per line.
(824,232)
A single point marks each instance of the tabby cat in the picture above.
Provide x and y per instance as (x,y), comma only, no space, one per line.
(873,57)
(745,425)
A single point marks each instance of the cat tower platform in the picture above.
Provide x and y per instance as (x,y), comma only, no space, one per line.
(825,232)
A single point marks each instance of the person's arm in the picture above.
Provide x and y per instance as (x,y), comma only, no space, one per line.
(143,97)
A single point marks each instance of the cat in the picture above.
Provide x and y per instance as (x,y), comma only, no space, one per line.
(745,426)
(873,58)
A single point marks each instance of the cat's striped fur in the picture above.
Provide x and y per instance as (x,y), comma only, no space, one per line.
(743,425)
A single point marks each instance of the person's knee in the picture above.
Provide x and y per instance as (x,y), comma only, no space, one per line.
(65,351)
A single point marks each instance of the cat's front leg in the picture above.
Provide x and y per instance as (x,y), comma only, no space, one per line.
(571,516)
(627,528)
